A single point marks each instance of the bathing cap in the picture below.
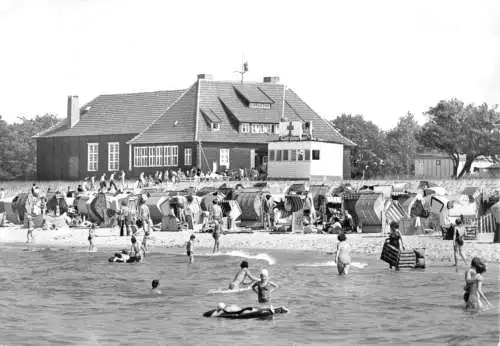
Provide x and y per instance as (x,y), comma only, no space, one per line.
(264,272)
(221,305)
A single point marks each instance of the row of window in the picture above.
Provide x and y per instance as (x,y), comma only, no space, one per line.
(160,156)
(150,156)
(294,155)
(259,128)
(259,105)
(93,156)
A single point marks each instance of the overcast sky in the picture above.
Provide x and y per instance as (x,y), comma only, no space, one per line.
(376,58)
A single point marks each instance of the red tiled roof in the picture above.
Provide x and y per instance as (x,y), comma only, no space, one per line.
(210,116)
(220,100)
(176,124)
(252,93)
(117,114)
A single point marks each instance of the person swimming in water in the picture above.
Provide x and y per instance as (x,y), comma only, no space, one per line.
(154,286)
(264,287)
(240,277)
(343,257)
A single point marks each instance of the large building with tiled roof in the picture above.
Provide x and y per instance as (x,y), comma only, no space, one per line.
(212,125)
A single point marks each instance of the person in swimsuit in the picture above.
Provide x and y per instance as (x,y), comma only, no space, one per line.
(216,233)
(135,250)
(145,241)
(458,241)
(342,257)
(474,297)
(190,248)
(216,211)
(91,237)
(144,214)
(154,287)
(32,208)
(395,238)
(233,308)
(264,287)
(240,277)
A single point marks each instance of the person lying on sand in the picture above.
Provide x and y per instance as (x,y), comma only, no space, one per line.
(240,277)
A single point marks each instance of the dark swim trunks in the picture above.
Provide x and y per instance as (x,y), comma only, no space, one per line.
(188,253)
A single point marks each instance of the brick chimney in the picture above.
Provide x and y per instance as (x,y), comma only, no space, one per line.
(73,111)
(272,80)
(205,76)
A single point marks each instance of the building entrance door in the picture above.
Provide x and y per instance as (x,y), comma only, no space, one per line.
(73,167)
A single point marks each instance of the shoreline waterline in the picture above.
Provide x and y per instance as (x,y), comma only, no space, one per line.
(436,249)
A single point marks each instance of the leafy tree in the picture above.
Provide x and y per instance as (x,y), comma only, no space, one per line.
(462,130)
(369,157)
(403,143)
(18,148)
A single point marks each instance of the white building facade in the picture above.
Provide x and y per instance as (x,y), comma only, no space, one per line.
(304,160)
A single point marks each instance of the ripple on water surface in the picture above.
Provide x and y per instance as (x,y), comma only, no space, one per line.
(74,298)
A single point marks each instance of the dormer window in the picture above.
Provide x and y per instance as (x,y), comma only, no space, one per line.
(255,105)
(245,128)
(212,119)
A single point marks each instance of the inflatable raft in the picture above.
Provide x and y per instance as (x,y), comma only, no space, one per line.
(246,313)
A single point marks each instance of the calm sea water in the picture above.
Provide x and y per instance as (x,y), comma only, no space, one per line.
(70,297)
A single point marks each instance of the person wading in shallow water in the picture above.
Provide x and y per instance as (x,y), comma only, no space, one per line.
(474,297)
(216,234)
(264,287)
(395,238)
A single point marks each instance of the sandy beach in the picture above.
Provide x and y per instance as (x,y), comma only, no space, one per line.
(437,250)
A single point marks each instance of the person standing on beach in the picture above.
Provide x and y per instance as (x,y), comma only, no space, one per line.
(144,214)
(216,211)
(395,238)
(309,211)
(189,213)
(267,209)
(343,257)
(458,241)
(32,208)
(124,219)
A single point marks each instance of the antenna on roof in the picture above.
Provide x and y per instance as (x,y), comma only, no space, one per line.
(244,69)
